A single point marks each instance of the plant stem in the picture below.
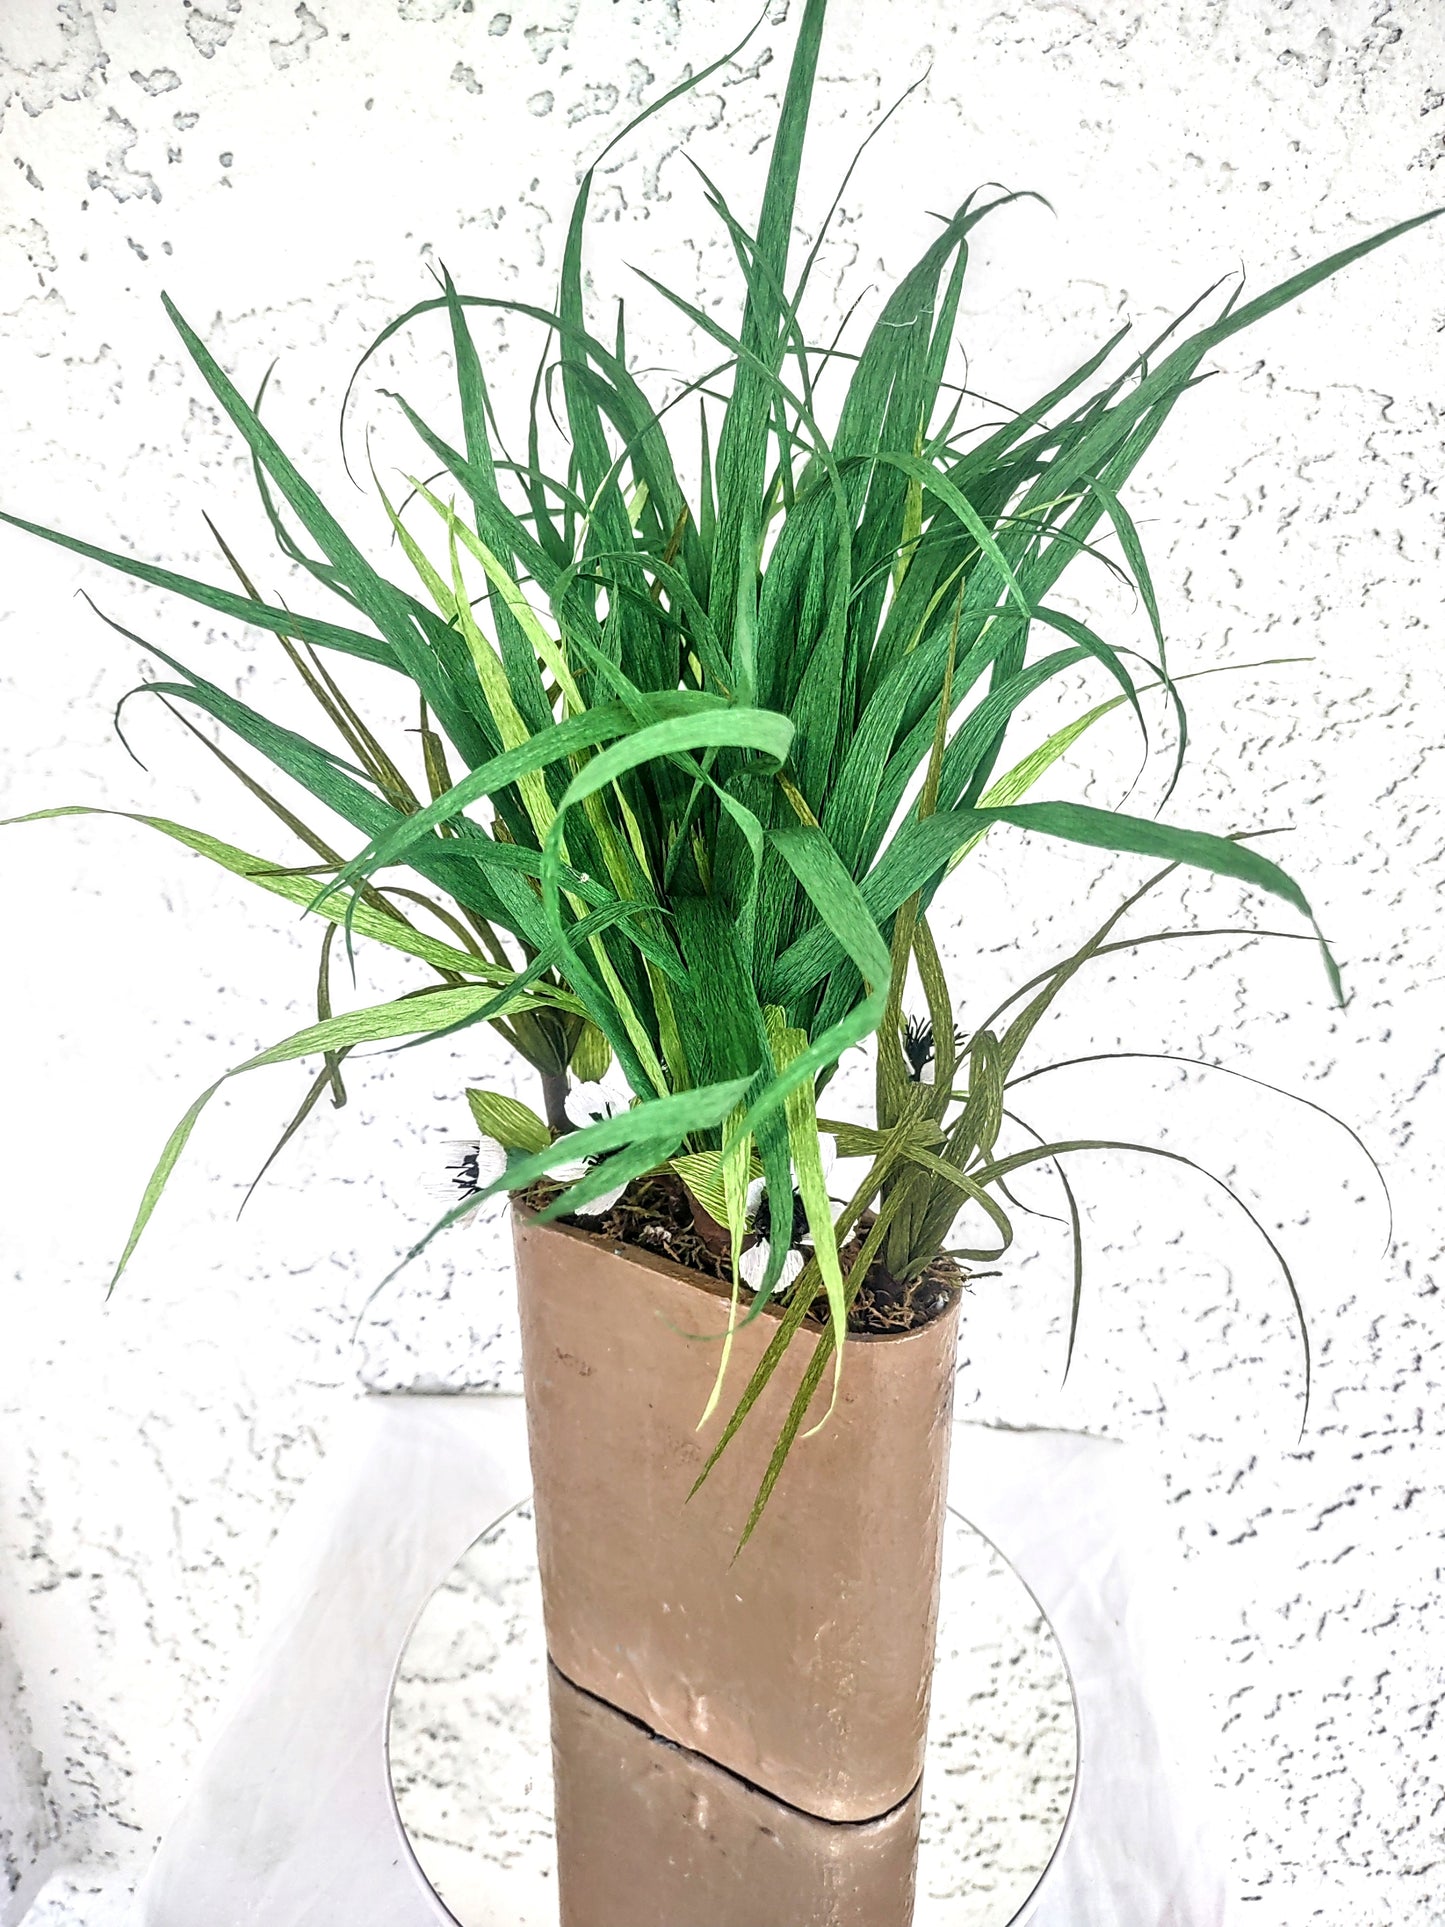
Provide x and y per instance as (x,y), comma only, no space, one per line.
(554,1100)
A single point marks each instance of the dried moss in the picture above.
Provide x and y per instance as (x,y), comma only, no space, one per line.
(654,1214)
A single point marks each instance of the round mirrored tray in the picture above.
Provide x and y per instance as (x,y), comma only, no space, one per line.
(471,1736)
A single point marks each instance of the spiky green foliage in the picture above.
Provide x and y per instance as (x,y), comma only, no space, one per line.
(694,763)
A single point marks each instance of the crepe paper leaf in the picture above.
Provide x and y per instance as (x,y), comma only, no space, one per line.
(959,505)
(729,1186)
(919,1132)
(725,1034)
(594,727)
(949,1174)
(514,999)
(608,1174)
(514,1125)
(799,1303)
(1095,646)
(330,781)
(800,1110)
(792,1424)
(380,601)
(702,1173)
(760,731)
(547,648)
(1059,974)
(738,1168)
(892,1085)
(1018,781)
(592,1055)
(813,1373)
(1133,553)
(840,904)
(1054,979)
(982,1117)
(921,851)
(940,1005)
(742,444)
(318,680)
(323,1011)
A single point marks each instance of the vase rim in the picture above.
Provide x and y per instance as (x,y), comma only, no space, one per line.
(715,1287)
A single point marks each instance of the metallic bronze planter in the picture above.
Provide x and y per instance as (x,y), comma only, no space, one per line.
(650,1835)
(803,1666)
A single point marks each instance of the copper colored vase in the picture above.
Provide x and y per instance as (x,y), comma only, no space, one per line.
(804,1664)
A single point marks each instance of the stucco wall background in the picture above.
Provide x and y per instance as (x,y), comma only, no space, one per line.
(289,174)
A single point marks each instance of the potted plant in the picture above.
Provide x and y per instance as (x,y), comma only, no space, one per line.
(694,758)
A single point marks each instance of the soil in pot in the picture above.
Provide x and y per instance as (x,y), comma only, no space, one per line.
(655,1214)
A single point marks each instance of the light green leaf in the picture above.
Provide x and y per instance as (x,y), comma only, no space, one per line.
(514,1125)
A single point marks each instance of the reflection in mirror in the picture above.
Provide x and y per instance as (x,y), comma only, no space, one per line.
(471,1742)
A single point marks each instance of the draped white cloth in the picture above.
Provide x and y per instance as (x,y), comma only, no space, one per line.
(291,1821)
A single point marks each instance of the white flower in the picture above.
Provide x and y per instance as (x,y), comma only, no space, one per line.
(591,1103)
(757,1187)
(753,1264)
(571,1172)
(471,1165)
(754,1267)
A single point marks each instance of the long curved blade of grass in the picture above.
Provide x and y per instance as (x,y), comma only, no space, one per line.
(1228,1070)
(802,1121)
(319,1084)
(922,851)
(800,1300)
(1076,1237)
(1057,975)
(845,915)
(423,1011)
(593,728)
(225,602)
(300,888)
(1017,1160)
(380,600)
(742,443)
(811,1379)
(725,1033)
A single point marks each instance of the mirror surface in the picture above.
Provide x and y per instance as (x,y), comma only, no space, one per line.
(471,1759)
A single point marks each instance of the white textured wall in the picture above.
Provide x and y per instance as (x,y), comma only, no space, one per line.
(289,173)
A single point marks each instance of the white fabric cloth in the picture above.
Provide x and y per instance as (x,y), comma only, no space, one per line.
(1081,1522)
(291,1821)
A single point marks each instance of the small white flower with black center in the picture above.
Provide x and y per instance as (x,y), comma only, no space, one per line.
(591,1104)
(471,1165)
(753,1265)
